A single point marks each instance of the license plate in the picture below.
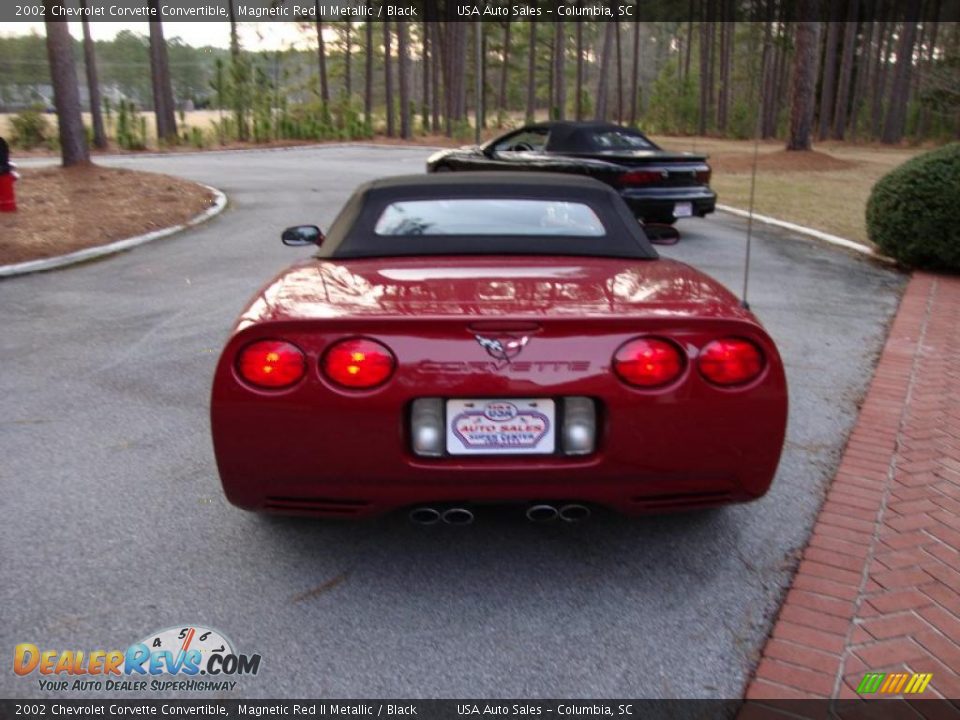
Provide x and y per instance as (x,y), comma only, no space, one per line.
(684,209)
(500,427)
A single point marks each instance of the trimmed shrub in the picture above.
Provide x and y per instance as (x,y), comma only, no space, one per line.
(913,213)
(30,128)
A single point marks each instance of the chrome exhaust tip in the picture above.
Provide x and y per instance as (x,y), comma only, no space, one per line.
(424,516)
(541,513)
(457,516)
(574,513)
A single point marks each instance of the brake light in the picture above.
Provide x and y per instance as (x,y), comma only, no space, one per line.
(731,361)
(648,362)
(358,363)
(641,177)
(703,176)
(271,364)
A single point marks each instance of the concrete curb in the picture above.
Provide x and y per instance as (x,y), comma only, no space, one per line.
(44,160)
(33,266)
(826,237)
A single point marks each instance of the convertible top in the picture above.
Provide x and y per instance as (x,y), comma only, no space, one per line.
(352,234)
(576,137)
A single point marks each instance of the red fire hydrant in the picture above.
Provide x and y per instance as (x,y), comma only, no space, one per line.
(8,176)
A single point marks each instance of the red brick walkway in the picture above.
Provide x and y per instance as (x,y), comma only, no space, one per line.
(878,588)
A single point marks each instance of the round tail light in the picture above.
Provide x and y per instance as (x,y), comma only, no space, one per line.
(271,364)
(731,361)
(358,363)
(648,362)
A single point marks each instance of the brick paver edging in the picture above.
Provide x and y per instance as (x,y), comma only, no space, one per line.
(878,588)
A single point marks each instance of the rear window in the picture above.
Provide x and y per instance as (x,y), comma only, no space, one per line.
(620,140)
(500,216)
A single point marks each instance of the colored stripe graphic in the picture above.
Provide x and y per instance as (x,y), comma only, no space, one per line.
(894,683)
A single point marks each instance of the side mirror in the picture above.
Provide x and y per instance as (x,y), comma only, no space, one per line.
(299,235)
(661,234)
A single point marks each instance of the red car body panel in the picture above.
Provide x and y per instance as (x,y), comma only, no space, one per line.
(318,449)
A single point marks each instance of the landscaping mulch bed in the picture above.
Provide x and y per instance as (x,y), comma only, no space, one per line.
(66,209)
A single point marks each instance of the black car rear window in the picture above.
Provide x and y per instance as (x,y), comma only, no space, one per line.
(620,140)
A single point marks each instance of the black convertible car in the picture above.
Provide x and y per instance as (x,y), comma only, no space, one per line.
(659,186)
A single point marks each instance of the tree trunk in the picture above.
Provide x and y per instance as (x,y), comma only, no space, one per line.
(842,107)
(504,75)
(531,73)
(864,76)
(579,70)
(93,84)
(726,57)
(388,79)
(827,87)
(560,71)
(425,78)
(635,72)
(368,76)
(884,48)
(601,109)
(322,57)
(895,121)
(348,60)
(704,71)
(66,95)
(437,57)
(688,51)
(238,77)
(163,105)
(403,69)
(619,55)
(804,83)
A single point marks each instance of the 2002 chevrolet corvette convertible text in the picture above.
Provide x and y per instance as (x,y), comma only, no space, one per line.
(482,338)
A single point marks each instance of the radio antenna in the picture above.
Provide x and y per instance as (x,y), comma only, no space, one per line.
(753,174)
(753,187)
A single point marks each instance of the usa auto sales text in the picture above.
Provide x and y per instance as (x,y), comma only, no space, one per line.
(568,709)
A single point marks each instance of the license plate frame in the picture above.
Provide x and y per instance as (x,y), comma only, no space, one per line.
(501,426)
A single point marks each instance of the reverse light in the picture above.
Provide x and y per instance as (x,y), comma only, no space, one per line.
(358,363)
(579,431)
(648,362)
(272,364)
(731,361)
(426,427)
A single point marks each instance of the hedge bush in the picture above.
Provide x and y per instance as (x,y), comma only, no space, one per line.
(913,213)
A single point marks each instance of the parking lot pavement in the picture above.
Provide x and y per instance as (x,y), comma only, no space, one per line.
(878,590)
(116,524)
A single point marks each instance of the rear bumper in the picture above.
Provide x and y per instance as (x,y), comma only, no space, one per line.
(660,202)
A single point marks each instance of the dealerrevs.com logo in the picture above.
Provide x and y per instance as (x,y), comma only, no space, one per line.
(187,658)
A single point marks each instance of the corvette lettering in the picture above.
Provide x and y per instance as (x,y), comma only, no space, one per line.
(457,367)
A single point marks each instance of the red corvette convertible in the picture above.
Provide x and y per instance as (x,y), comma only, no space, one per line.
(487,338)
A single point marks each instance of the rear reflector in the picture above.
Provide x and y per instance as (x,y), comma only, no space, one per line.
(731,361)
(358,363)
(648,362)
(271,364)
(641,177)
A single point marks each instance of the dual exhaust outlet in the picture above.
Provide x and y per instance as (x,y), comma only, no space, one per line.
(535,513)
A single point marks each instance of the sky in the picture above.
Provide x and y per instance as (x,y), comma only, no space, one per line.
(253,35)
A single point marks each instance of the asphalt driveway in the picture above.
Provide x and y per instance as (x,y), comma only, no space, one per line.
(114,524)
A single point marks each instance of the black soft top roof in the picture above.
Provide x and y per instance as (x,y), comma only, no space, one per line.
(352,233)
(577,136)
